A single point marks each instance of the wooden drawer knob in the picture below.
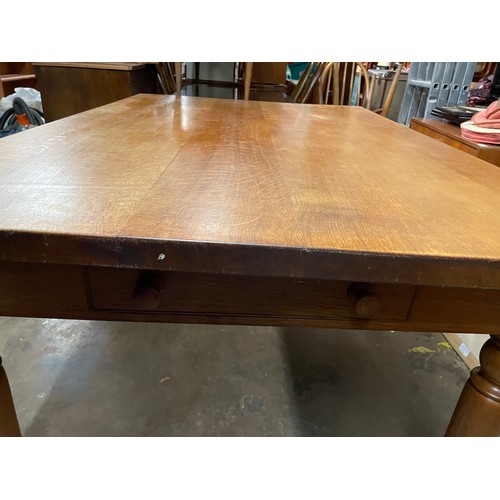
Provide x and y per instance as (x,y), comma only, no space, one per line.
(148,291)
(366,304)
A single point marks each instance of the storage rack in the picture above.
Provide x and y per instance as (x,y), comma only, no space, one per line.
(432,84)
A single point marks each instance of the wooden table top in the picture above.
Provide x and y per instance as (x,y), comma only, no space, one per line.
(259,188)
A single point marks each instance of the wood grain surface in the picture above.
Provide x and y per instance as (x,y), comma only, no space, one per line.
(257,188)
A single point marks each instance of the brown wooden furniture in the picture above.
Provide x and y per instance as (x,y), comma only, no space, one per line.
(450,134)
(16,74)
(387,102)
(308,87)
(68,88)
(260,213)
(269,73)
(338,84)
(484,69)
(247,77)
(247,80)
(168,77)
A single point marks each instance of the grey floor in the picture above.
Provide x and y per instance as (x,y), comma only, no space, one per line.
(86,378)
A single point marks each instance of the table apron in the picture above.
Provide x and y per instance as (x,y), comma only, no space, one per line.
(100,293)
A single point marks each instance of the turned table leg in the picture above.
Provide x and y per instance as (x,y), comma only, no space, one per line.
(478,409)
(9,425)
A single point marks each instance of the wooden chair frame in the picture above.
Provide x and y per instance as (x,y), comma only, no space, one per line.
(337,82)
(306,89)
(170,77)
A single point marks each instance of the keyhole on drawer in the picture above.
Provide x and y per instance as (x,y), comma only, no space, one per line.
(148,291)
(366,304)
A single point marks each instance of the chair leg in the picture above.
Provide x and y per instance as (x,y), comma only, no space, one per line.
(9,426)
(478,409)
(178,77)
(392,91)
(247,80)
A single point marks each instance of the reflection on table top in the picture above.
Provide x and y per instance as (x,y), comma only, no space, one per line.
(289,185)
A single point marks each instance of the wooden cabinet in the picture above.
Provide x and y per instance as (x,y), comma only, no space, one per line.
(70,88)
(450,134)
(16,74)
(269,73)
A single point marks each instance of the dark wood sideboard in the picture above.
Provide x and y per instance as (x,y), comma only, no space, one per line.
(68,88)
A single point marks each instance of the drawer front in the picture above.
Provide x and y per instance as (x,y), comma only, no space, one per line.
(201,293)
(444,139)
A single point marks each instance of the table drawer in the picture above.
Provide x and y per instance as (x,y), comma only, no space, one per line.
(202,293)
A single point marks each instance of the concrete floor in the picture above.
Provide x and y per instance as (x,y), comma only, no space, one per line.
(88,378)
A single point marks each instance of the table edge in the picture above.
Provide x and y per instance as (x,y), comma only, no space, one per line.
(249,259)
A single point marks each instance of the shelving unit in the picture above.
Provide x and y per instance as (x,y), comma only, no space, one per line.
(16,74)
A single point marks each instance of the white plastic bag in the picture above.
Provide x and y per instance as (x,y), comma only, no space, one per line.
(30,96)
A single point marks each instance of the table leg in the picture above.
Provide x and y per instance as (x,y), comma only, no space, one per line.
(478,409)
(9,425)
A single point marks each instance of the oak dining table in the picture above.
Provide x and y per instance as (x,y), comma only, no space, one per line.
(198,210)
